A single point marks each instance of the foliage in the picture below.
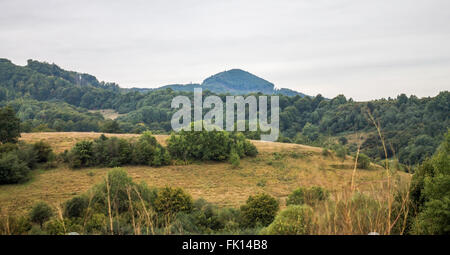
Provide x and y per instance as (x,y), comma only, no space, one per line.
(363,161)
(76,206)
(43,151)
(48,98)
(430,192)
(40,213)
(111,126)
(147,151)
(294,220)
(234,159)
(170,201)
(12,169)
(259,209)
(309,196)
(114,152)
(209,145)
(81,155)
(9,125)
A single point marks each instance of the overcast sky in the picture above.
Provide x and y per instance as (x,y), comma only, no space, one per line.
(362,49)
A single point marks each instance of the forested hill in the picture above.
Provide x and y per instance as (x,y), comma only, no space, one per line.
(236,82)
(48,98)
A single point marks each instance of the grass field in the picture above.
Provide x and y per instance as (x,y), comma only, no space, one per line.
(278,170)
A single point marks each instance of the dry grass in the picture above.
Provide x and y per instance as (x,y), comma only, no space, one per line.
(278,170)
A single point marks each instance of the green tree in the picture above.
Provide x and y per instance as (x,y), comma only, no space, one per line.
(12,169)
(259,210)
(40,213)
(43,151)
(363,161)
(294,220)
(9,125)
(308,196)
(81,155)
(111,126)
(430,192)
(170,201)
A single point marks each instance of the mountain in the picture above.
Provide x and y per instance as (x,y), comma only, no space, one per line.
(235,82)
(49,98)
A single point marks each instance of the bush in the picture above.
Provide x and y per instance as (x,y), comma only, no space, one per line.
(96,224)
(119,184)
(40,213)
(430,193)
(259,210)
(76,206)
(343,140)
(12,169)
(250,149)
(9,125)
(202,220)
(341,152)
(114,152)
(325,152)
(111,152)
(363,161)
(81,155)
(44,152)
(294,220)
(308,196)
(147,151)
(170,201)
(234,159)
(209,145)
(27,154)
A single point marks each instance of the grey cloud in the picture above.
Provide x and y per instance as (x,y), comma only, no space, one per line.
(320,46)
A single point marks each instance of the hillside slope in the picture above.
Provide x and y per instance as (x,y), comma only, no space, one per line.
(278,170)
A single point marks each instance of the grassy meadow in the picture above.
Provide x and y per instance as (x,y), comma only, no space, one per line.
(278,169)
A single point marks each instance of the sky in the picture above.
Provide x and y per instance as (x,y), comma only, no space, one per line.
(360,48)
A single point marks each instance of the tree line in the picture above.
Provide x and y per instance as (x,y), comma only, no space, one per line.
(48,98)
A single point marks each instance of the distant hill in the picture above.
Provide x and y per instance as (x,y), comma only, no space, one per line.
(49,98)
(235,82)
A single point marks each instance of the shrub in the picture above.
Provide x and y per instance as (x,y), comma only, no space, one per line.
(170,201)
(325,152)
(430,193)
(81,155)
(40,213)
(12,169)
(294,220)
(111,152)
(147,151)
(341,152)
(250,149)
(9,125)
(363,161)
(43,151)
(209,145)
(62,227)
(308,196)
(234,159)
(27,154)
(8,147)
(119,184)
(14,225)
(202,220)
(76,206)
(96,224)
(259,210)
(110,126)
